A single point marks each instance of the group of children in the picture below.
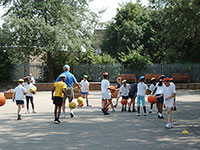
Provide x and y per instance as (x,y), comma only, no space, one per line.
(21,91)
(164,91)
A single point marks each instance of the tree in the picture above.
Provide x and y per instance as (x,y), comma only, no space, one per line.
(181,29)
(46,27)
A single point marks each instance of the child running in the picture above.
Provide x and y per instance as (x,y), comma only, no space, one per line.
(132,95)
(18,96)
(59,88)
(106,95)
(29,96)
(169,93)
(124,91)
(141,91)
(85,89)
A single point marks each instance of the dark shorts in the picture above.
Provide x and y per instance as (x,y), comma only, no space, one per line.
(132,95)
(57,101)
(86,93)
(125,97)
(19,102)
(159,100)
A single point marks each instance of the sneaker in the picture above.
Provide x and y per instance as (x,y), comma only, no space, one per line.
(161,116)
(115,106)
(27,112)
(174,108)
(89,105)
(122,109)
(19,117)
(145,114)
(106,113)
(103,110)
(150,111)
(34,112)
(138,114)
(63,115)
(168,126)
(72,115)
(56,122)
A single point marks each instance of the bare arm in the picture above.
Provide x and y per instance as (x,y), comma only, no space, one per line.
(13,96)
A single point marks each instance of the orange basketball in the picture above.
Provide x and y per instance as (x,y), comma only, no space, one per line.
(152,99)
(2,100)
(107,108)
(123,101)
(112,89)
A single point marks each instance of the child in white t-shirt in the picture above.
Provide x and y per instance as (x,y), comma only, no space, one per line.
(18,96)
(29,96)
(152,88)
(106,95)
(124,92)
(141,92)
(85,89)
(169,93)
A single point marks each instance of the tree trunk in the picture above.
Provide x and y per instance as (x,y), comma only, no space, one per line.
(50,67)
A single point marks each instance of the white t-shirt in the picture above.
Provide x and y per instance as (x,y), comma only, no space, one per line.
(32,80)
(84,86)
(105,84)
(28,87)
(152,88)
(141,89)
(19,90)
(159,89)
(124,90)
(169,91)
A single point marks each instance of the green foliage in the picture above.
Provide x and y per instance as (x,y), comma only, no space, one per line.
(134,60)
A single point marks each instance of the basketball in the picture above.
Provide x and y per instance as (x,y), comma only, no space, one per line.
(72,105)
(152,99)
(123,101)
(112,89)
(80,100)
(80,105)
(2,100)
(148,92)
(33,89)
(107,108)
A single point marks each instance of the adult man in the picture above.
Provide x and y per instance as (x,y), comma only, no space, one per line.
(69,80)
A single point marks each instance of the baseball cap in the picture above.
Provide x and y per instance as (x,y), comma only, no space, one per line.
(123,81)
(166,79)
(142,77)
(153,79)
(105,74)
(85,76)
(20,80)
(62,76)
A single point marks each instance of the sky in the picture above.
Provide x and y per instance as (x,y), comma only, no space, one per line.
(96,5)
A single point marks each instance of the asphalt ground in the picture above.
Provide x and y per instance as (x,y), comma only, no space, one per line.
(91,130)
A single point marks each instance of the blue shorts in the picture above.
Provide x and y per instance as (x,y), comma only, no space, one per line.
(140,98)
(159,100)
(19,102)
(86,93)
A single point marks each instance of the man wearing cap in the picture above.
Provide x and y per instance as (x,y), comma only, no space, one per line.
(85,89)
(69,80)
(169,93)
(18,96)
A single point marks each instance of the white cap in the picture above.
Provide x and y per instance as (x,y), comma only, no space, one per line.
(66,67)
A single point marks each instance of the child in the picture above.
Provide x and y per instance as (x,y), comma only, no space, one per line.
(29,96)
(124,90)
(119,84)
(141,91)
(169,93)
(18,96)
(85,89)
(158,92)
(152,88)
(172,83)
(132,95)
(106,95)
(59,88)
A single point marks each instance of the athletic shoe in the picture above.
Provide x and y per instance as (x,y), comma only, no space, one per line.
(56,121)
(72,115)
(19,117)
(115,106)
(103,110)
(150,111)
(106,113)
(145,114)
(161,116)
(168,126)
(63,115)
(138,114)
(27,112)
(34,112)
(89,105)
(174,108)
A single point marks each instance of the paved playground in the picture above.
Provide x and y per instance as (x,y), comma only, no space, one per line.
(91,130)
